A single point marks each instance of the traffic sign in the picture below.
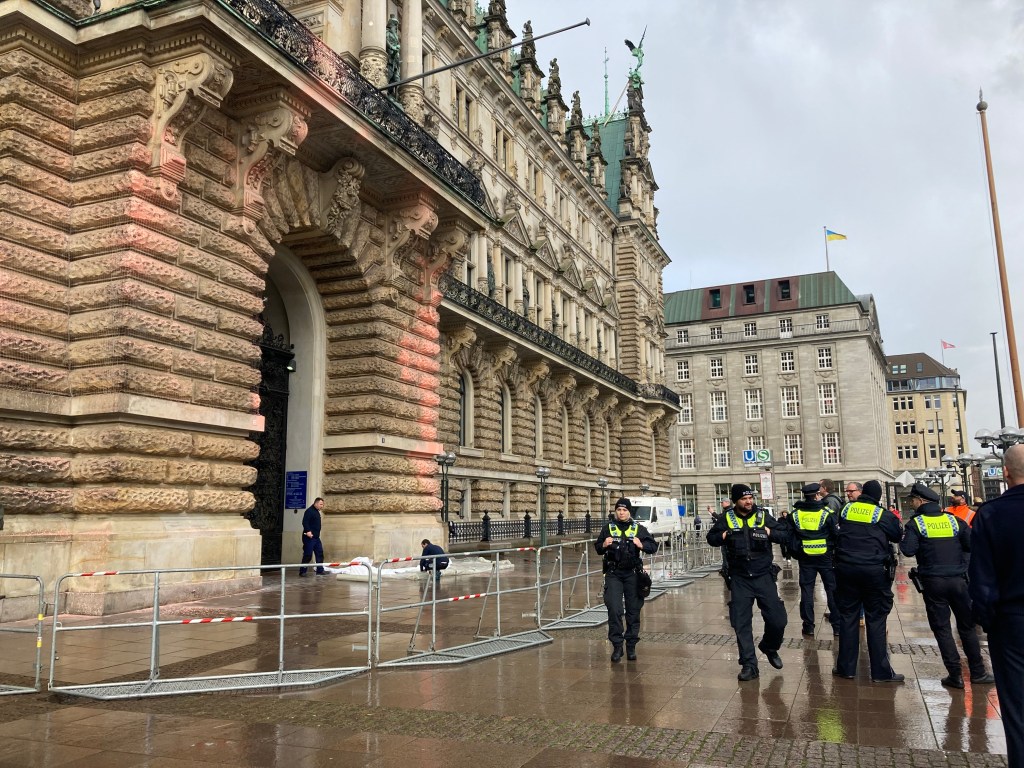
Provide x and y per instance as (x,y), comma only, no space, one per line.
(757,457)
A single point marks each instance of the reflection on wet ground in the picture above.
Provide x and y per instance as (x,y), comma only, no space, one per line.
(560,704)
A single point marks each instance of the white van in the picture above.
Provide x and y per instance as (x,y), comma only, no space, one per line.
(658,514)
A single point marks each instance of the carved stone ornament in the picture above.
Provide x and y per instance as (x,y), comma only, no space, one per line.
(447,245)
(343,215)
(280,125)
(459,339)
(184,89)
(373,65)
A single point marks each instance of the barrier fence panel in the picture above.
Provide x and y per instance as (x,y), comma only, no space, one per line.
(572,594)
(16,660)
(440,611)
(270,648)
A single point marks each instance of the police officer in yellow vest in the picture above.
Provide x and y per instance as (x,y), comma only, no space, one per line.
(621,541)
(940,541)
(814,533)
(747,532)
(863,559)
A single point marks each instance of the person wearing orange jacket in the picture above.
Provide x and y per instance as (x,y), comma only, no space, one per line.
(958,506)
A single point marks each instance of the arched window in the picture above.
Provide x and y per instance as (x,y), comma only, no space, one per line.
(505,413)
(538,427)
(465,409)
(565,435)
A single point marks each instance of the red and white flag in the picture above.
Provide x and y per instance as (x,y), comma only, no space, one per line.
(947,345)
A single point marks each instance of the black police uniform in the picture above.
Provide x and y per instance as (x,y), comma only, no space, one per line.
(997,593)
(862,564)
(814,533)
(621,561)
(748,556)
(940,542)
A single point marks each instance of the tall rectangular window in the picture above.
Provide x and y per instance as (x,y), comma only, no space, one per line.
(715,298)
(937,401)
(682,336)
(790,401)
(686,408)
(785,327)
(462,108)
(682,370)
(831,453)
(751,367)
(687,454)
(784,290)
(720,453)
(787,361)
(827,399)
(716,367)
(822,323)
(716,332)
(748,294)
(754,404)
(794,445)
(755,442)
(824,358)
(750,330)
(719,406)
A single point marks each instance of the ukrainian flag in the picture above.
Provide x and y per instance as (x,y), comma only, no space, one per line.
(830,235)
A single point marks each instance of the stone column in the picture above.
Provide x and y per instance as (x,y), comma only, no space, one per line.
(517,285)
(411,94)
(373,57)
(573,324)
(480,259)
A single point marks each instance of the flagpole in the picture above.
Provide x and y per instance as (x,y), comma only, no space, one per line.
(827,267)
(1011,337)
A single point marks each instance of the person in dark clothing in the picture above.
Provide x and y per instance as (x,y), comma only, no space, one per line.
(940,542)
(622,542)
(829,497)
(431,560)
(746,534)
(311,545)
(863,581)
(997,591)
(814,532)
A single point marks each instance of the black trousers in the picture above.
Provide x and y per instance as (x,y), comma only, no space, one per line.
(809,572)
(864,587)
(745,590)
(943,594)
(1006,647)
(619,590)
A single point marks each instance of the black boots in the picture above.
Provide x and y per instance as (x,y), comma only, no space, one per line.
(748,673)
(616,654)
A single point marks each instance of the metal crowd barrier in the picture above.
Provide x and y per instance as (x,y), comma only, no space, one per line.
(154,685)
(575,581)
(8,689)
(507,632)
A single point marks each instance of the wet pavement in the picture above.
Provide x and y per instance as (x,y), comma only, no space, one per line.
(561,703)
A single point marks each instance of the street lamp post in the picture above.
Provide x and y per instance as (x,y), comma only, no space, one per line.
(965,461)
(543,473)
(644,488)
(602,483)
(940,475)
(444,462)
(997,441)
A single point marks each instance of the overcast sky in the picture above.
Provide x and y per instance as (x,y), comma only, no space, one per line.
(775,118)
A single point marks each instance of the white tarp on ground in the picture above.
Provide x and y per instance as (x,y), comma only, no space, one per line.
(457,567)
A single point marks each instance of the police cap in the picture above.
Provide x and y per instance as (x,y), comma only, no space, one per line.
(810,490)
(922,491)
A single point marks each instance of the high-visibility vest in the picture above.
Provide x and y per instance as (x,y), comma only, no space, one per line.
(967,516)
(630,532)
(808,522)
(861,512)
(944,526)
(736,522)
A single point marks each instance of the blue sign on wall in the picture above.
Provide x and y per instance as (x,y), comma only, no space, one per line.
(295,490)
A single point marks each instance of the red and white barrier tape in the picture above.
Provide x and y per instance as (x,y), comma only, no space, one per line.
(223,620)
(461,597)
(97,573)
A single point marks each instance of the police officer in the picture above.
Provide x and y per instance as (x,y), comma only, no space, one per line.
(940,542)
(745,532)
(814,533)
(621,541)
(863,580)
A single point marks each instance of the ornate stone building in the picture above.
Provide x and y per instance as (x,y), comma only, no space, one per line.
(226,253)
(791,366)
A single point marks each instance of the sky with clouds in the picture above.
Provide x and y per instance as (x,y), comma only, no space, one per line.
(775,118)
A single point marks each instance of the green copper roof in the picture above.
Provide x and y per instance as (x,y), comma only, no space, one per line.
(613,147)
(820,289)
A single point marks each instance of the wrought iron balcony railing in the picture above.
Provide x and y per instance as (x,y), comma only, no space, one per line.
(459,293)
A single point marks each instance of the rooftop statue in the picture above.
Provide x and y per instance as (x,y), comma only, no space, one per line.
(638,54)
(554,80)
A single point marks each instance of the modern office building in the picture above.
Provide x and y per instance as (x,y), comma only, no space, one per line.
(780,380)
(239,271)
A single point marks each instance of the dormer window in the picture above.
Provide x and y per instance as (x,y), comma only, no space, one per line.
(748,294)
(715,298)
(784,292)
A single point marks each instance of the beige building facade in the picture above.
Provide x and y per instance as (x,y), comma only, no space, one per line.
(231,266)
(782,382)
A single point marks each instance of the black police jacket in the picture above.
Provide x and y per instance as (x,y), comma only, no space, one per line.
(829,531)
(866,543)
(623,555)
(936,556)
(997,567)
(748,549)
